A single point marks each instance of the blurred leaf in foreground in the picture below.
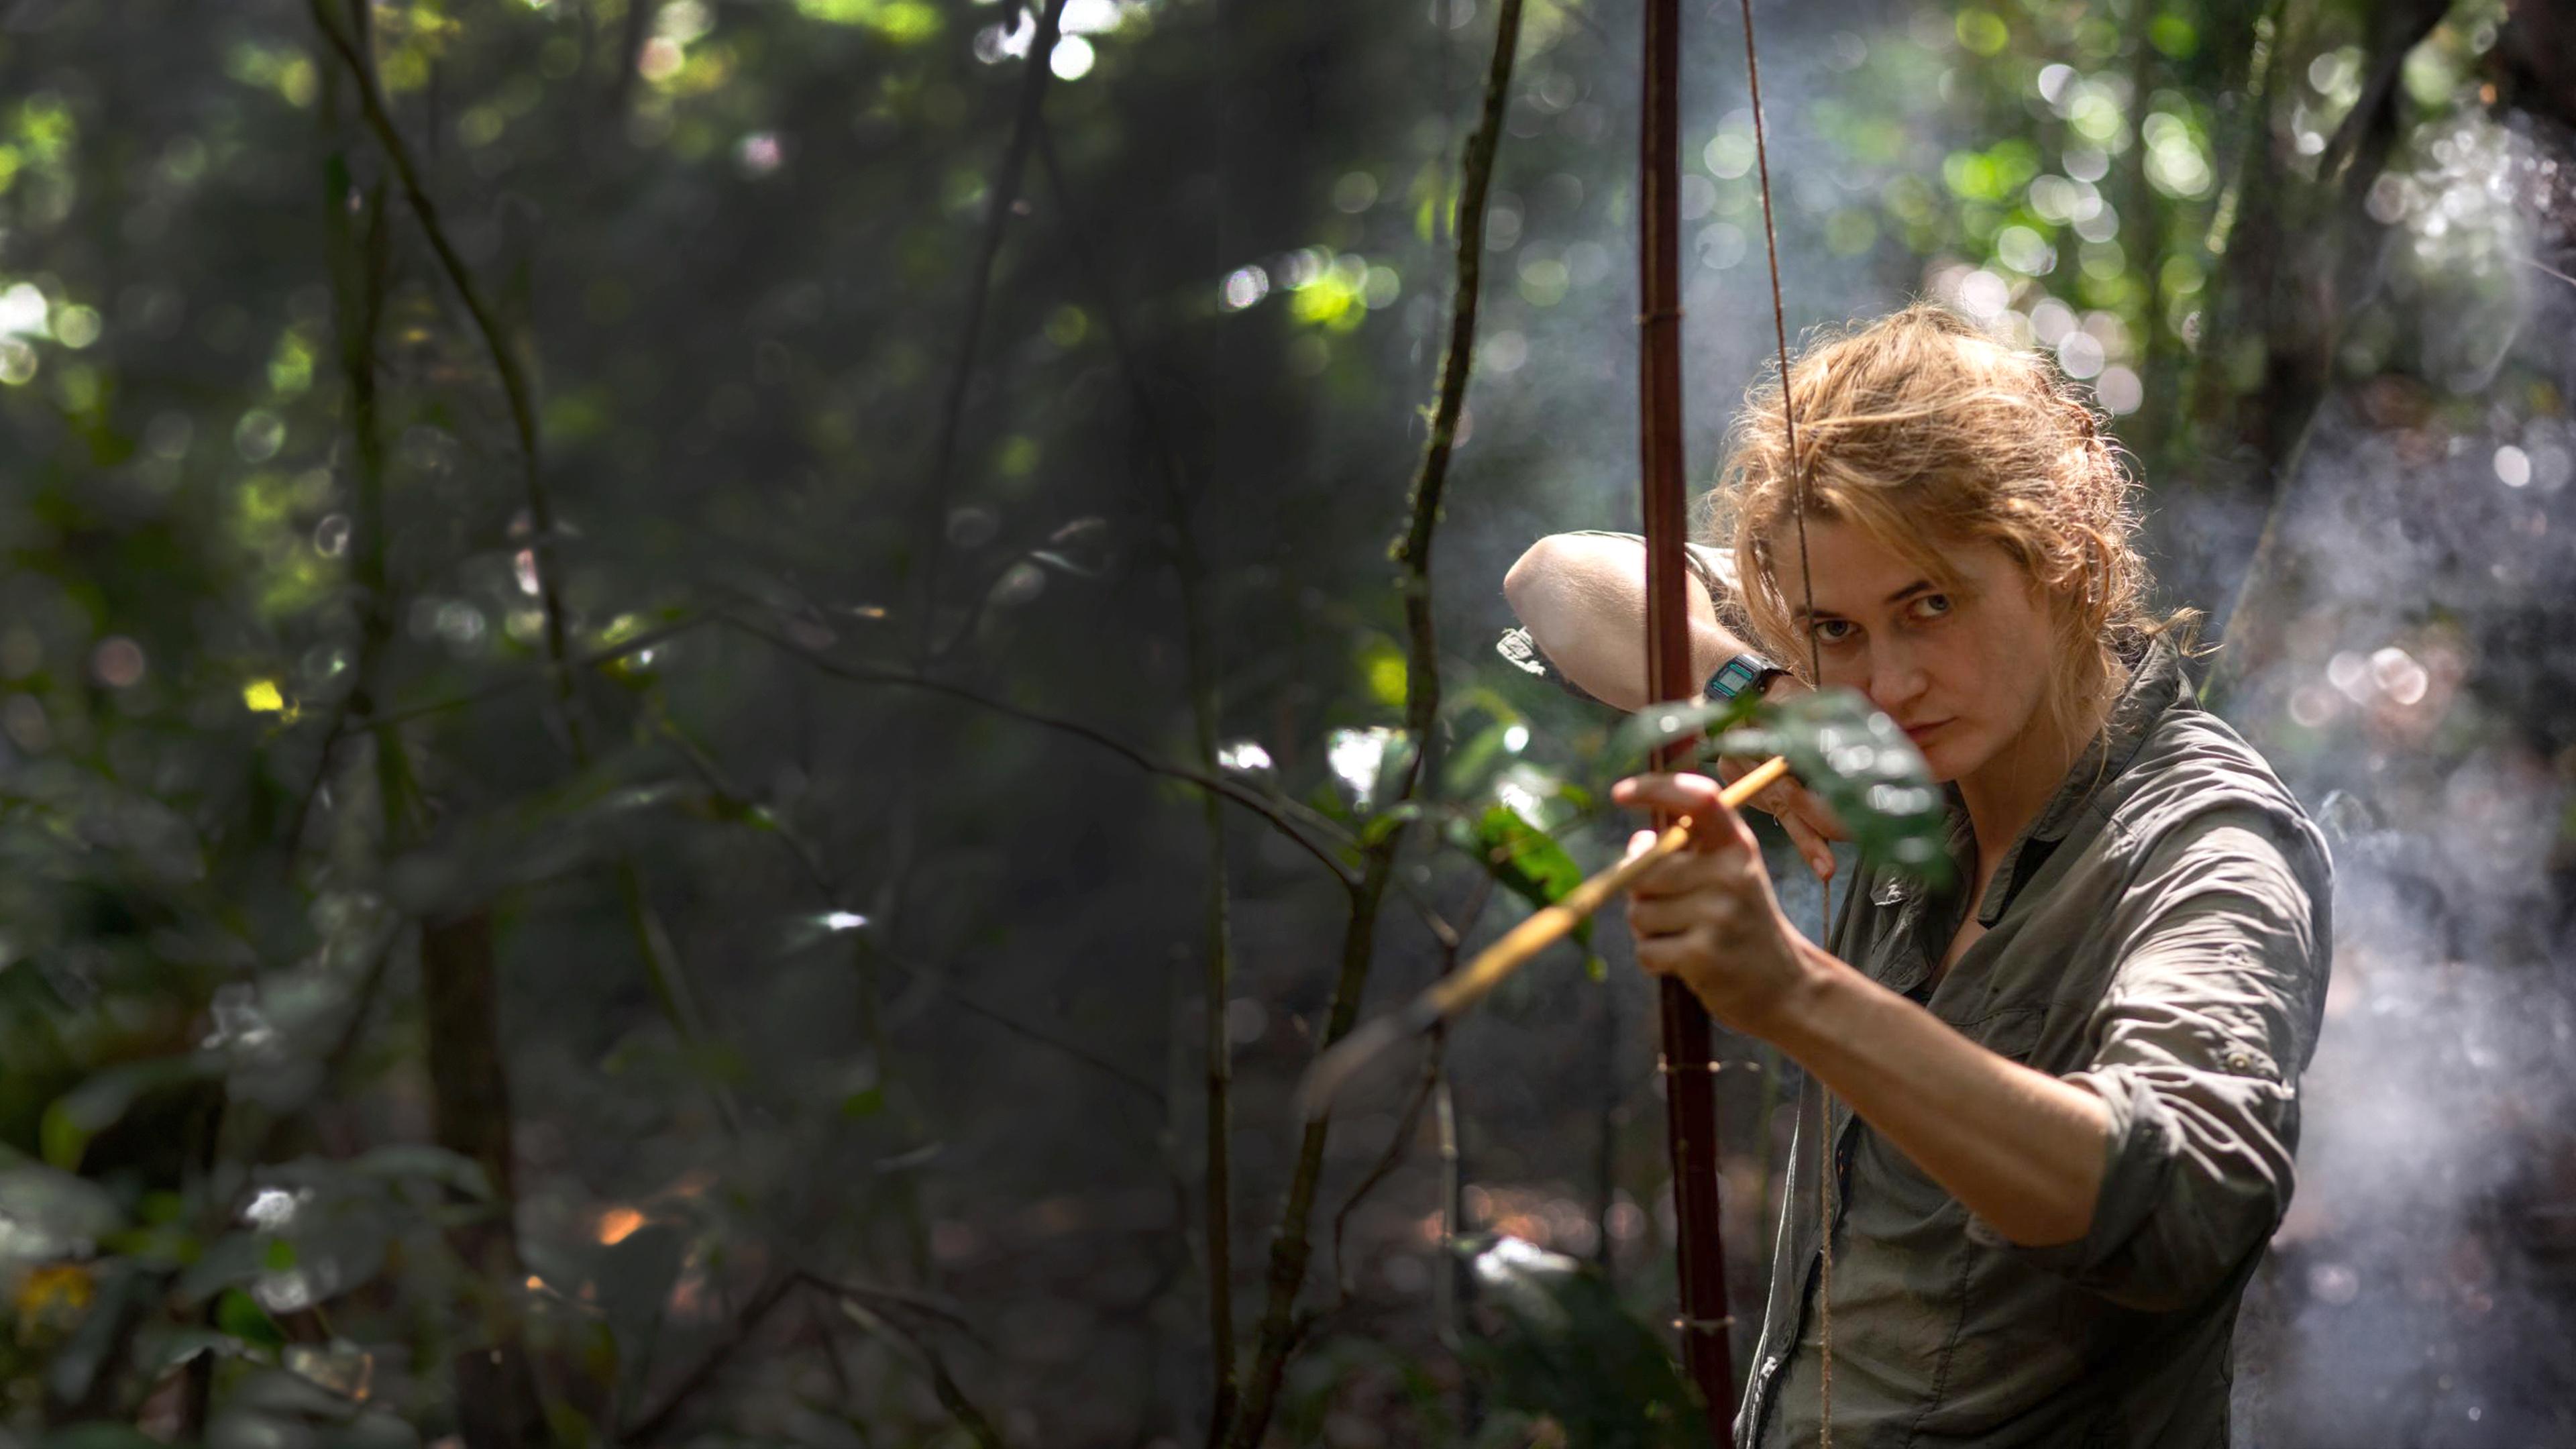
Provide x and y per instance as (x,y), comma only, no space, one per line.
(1852,757)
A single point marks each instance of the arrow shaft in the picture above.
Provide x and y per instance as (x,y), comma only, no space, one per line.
(1444,999)
(1467,985)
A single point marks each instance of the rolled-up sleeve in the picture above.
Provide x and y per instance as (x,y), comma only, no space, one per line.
(2210,1015)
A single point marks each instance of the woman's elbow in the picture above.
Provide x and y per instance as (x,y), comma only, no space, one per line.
(1528,575)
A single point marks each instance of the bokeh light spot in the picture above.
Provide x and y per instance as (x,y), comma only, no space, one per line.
(76,326)
(1071,59)
(1245,286)
(259,435)
(117,662)
(759,154)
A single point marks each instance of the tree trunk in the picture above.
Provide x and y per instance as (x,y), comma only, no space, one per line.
(497,1402)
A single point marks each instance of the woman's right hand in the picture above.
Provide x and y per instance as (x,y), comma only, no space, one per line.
(1809,824)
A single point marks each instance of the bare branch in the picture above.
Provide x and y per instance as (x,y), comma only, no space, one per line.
(1282,1326)
(1004,195)
(663,970)
(607,654)
(745,1324)
(1274,810)
(630,53)
(926,1358)
(809,860)
(505,358)
(1398,1147)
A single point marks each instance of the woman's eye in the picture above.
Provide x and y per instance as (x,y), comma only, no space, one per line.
(1832,631)
(1932,606)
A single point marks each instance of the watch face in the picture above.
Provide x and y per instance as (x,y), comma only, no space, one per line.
(1747,671)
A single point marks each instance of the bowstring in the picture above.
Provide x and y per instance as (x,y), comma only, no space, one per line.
(1825,1179)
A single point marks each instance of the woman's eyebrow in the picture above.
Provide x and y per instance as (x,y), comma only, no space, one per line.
(1900,596)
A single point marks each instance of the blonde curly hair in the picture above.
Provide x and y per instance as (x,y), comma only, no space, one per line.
(1925,432)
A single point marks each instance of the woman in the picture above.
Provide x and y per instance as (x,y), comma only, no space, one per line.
(2061,1092)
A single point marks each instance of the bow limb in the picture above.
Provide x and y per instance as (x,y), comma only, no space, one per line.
(1691,1087)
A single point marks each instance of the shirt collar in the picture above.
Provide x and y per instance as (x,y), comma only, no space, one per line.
(2156,684)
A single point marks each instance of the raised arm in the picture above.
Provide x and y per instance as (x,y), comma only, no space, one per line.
(1582,596)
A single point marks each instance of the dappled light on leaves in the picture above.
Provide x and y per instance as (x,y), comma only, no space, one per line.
(1362,762)
(1244,755)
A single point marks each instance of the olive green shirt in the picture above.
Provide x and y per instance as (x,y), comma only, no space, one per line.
(2159,935)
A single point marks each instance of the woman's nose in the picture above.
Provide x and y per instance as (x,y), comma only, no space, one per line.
(1894,679)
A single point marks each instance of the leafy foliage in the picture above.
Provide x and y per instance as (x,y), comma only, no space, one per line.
(1852,757)
(1569,1350)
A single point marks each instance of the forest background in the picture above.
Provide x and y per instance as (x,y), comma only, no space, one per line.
(697,697)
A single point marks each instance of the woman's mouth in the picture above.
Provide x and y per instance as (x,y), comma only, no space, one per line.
(1917,733)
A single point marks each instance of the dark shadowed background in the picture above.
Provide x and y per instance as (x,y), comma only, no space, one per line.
(616,615)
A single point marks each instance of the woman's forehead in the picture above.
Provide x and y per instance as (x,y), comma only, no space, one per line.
(1857,568)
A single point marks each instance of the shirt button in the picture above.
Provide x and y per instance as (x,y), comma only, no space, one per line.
(1770,1365)
(2238,1061)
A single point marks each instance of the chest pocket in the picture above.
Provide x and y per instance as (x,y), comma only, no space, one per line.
(2012,1033)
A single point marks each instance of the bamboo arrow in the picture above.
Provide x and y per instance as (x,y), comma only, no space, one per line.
(1452,994)
(1854,759)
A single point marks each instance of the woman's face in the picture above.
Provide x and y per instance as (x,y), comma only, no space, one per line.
(1964,670)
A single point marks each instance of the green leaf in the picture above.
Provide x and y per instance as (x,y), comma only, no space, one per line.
(905,22)
(239,1314)
(1381,666)
(178,1345)
(427,1163)
(1522,859)
(1850,756)
(1381,825)
(1469,764)
(51,1213)
(571,1428)
(221,1266)
(1569,1350)
(1632,745)
(61,1139)
(80,1114)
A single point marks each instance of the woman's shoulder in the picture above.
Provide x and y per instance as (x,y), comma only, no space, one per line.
(2193,765)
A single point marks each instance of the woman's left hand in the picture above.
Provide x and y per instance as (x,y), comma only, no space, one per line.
(1706,916)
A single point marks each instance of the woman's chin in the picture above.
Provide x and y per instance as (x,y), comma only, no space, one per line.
(1942,758)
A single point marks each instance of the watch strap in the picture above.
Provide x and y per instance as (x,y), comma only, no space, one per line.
(1746,671)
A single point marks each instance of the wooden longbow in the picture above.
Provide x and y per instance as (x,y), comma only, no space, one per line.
(1690,1085)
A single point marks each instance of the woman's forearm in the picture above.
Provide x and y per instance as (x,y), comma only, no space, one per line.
(1583,599)
(2021,1149)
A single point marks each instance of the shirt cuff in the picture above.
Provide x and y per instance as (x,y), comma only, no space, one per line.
(1522,652)
(2135,1160)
